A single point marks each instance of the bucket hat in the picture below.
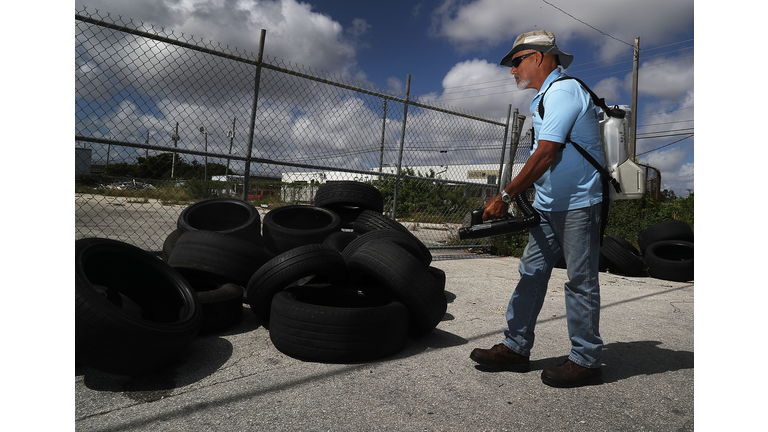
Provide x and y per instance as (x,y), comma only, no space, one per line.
(539,40)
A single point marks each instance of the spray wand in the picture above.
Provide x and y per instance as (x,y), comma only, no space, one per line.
(506,225)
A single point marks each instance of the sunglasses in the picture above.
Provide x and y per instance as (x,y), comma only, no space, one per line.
(517,60)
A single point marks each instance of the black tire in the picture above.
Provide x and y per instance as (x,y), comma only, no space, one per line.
(380,264)
(222,305)
(348,199)
(625,244)
(170,243)
(223,215)
(670,260)
(405,241)
(439,276)
(292,226)
(373,221)
(339,240)
(217,258)
(621,258)
(337,324)
(157,316)
(290,268)
(667,230)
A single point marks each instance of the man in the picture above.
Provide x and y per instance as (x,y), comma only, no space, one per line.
(568,197)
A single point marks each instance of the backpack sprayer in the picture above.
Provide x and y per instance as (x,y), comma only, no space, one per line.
(627,179)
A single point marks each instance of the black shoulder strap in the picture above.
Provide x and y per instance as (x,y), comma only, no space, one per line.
(601,169)
(604,175)
(615,112)
(612,112)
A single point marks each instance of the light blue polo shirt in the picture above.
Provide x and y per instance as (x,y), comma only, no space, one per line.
(571,182)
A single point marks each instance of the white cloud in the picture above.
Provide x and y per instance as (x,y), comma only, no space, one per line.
(294,32)
(359,27)
(676,175)
(608,89)
(395,84)
(670,80)
(491,22)
(482,87)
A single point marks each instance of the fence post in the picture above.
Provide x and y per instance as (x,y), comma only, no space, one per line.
(231,135)
(504,148)
(517,126)
(402,142)
(383,128)
(252,131)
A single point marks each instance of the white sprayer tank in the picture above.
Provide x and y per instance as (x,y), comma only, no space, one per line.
(615,133)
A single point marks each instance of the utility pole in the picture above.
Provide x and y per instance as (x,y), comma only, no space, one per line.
(635,67)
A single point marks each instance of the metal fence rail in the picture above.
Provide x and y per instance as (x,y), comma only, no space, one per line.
(163,121)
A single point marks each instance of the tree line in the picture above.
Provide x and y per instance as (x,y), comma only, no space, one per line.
(159,167)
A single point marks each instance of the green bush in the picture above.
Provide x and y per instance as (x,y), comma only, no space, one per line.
(428,202)
(509,244)
(628,218)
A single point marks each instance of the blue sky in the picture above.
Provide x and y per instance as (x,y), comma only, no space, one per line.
(451,49)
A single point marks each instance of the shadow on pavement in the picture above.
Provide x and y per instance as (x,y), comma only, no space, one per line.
(202,358)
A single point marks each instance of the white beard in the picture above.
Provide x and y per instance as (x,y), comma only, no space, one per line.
(522,84)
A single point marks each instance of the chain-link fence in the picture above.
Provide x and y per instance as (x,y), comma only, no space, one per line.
(652,181)
(163,120)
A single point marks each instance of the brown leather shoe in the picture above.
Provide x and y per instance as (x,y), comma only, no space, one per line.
(569,374)
(501,358)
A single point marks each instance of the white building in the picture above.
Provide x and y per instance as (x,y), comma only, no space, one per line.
(300,186)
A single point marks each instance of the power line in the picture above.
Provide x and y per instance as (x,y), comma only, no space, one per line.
(668,112)
(652,135)
(588,25)
(657,124)
(664,46)
(665,145)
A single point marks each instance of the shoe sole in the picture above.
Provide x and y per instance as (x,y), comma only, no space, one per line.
(594,380)
(495,367)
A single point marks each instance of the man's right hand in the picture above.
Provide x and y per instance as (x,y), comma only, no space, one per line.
(495,208)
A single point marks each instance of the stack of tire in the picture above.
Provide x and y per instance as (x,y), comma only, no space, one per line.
(218,246)
(336,281)
(347,284)
(666,252)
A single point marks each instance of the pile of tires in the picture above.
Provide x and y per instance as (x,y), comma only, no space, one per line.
(666,252)
(335,281)
(347,284)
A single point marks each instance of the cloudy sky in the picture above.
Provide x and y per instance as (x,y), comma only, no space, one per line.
(451,50)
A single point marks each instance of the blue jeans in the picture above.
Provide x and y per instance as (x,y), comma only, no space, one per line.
(574,234)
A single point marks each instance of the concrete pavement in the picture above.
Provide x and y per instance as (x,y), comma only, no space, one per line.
(236,380)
